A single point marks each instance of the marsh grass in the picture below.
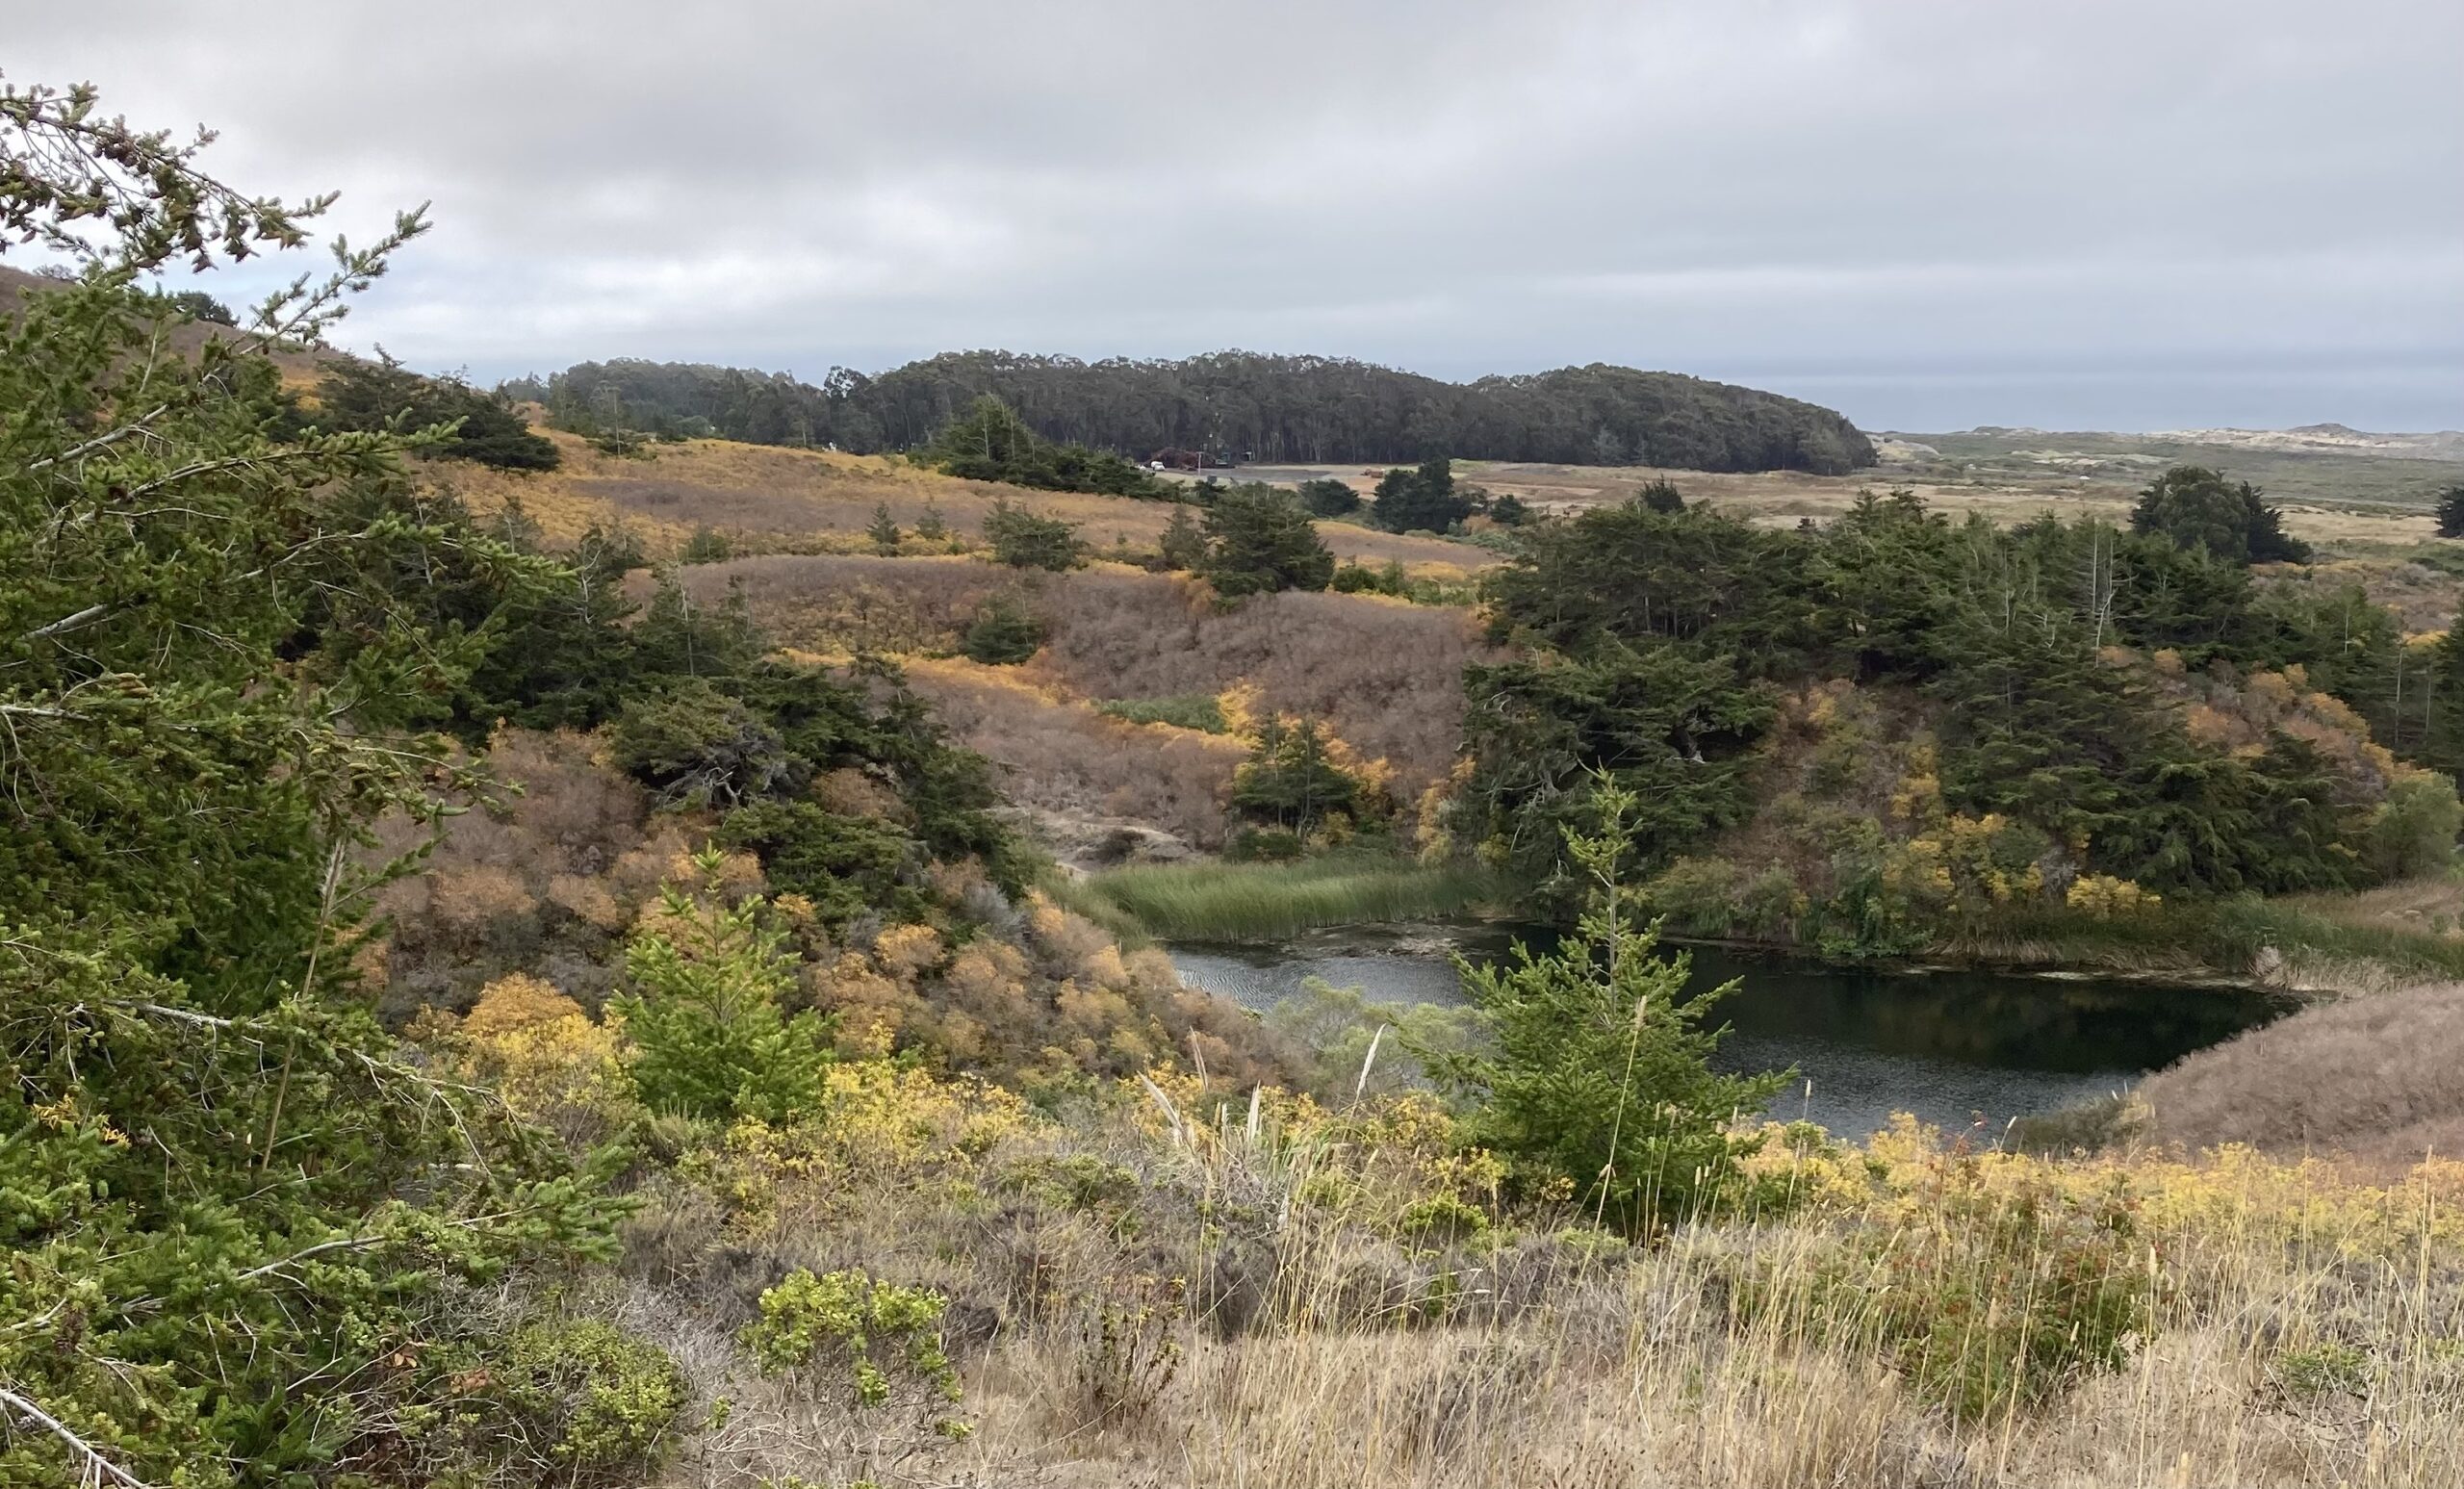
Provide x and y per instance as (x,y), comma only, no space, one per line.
(1266,901)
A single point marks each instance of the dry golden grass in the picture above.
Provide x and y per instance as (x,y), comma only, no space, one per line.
(770,498)
(1251,1328)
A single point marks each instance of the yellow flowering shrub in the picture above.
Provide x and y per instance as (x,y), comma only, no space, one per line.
(2104,897)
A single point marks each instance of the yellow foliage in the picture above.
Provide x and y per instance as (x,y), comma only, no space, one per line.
(2105,898)
(904,951)
(543,1053)
(1242,705)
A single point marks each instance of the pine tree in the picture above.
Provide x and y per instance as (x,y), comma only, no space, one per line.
(1597,1069)
(2451,512)
(884,532)
(1260,540)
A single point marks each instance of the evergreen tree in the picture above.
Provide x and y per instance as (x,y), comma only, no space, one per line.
(703,1009)
(1290,781)
(1182,546)
(2451,512)
(1597,1066)
(1422,499)
(1023,540)
(707,544)
(931,526)
(1260,540)
(1661,496)
(2197,507)
(1327,496)
(1002,635)
(884,532)
(232,1205)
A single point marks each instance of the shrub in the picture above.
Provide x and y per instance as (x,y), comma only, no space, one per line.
(1200,711)
(843,866)
(698,746)
(2413,831)
(1260,540)
(1989,1294)
(879,1340)
(707,544)
(594,1404)
(1327,496)
(1182,546)
(1023,540)
(1003,634)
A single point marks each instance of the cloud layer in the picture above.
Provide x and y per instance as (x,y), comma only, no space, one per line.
(1928,213)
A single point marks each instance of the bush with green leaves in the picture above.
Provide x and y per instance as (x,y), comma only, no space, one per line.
(595,1406)
(384,395)
(697,746)
(701,1008)
(1420,499)
(844,867)
(1290,781)
(707,544)
(1597,1070)
(883,531)
(1023,540)
(1003,634)
(2197,507)
(1327,497)
(882,1336)
(1260,540)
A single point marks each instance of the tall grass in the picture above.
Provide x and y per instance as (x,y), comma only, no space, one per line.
(1267,901)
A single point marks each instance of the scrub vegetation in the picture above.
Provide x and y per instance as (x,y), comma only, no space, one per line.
(480,1006)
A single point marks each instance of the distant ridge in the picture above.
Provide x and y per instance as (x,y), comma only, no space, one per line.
(1248,405)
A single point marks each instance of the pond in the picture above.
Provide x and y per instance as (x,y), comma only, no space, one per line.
(1955,1047)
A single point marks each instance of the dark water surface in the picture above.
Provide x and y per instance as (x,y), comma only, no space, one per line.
(1955,1047)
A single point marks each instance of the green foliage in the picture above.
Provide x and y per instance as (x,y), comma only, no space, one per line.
(989,443)
(1003,634)
(1182,546)
(2321,1371)
(1667,724)
(1260,540)
(1289,780)
(2197,507)
(846,867)
(596,1407)
(1201,711)
(1508,510)
(933,526)
(1023,540)
(1422,499)
(468,424)
(1277,409)
(1327,496)
(703,1011)
(884,532)
(2449,512)
(199,306)
(698,746)
(707,544)
(1661,496)
(1271,900)
(1360,1048)
(1597,1069)
(2413,831)
(879,1340)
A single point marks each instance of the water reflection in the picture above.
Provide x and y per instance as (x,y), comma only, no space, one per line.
(1955,1047)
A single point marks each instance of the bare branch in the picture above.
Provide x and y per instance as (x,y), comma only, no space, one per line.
(98,1469)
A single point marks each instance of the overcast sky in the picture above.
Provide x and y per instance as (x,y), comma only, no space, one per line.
(1929,214)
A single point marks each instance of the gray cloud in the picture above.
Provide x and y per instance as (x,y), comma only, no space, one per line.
(1927,212)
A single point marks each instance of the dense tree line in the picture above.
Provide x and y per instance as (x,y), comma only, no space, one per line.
(1246,404)
(2060,665)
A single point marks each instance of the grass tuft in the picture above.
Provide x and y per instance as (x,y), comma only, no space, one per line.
(1267,901)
